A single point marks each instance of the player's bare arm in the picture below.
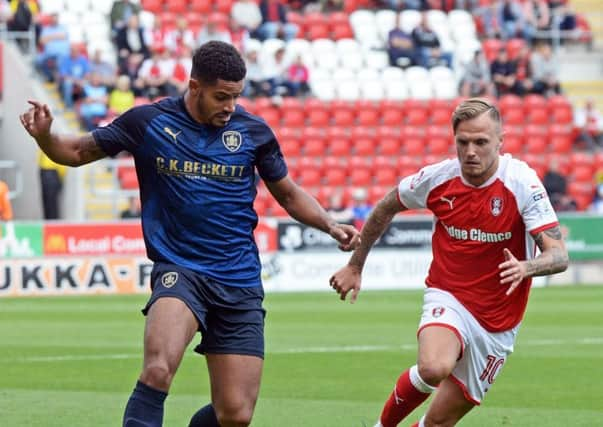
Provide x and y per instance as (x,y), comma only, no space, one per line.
(349,277)
(305,209)
(553,258)
(69,150)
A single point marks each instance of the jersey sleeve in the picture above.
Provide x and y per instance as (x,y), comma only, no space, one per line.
(535,206)
(125,133)
(414,189)
(269,162)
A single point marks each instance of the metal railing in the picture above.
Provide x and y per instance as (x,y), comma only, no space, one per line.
(23,39)
(10,172)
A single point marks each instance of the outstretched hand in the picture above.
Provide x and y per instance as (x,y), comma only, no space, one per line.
(345,280)
(347,236)
(512,271)
(37,120)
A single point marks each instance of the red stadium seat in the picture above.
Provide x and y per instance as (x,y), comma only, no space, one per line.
(382,132)
(223,6)
(560,144)
(314,147)
(536,144)
(318,31)
(319,117)
(335,132)
(336,18)
(491,48)
(389,146)
(439,145)
(362,132)
(155,6)
(291,147)
(312,132)
(377,192)
(177,6)
(416,117)
(310,177)
(368,117)
(340,147)
(336,177)
(509,101)
(440,116)
(533,101)
(538,115)
(386,176)
(408,165)
(361,177)
(287,132)
(562,115)
(514,116)
(582,173)
(414,146)
(342,31)
(392,117)
(512,144)
(200,6)
(582,193)
(344,117)
(586,159)
(514,46)
(295,118)
(127,177)
(358,162)
(364,147)
(292,103)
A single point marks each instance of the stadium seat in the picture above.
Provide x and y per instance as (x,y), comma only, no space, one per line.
(294,118)
(155,6)
(536,144)
(416,117)
(414,146)
(291,147)
(409,19)
(512,144)
(340,147)
(514,116)
(177,6)
(315,147)
(318,117)
(127,177)
(385,176)
(368,117)
(408,165)
(385,21)
(272,115)
(335,177)
(378,192)
(439,145)
(323,89)
(396,90)
(538,115)
(582,193)
(315,31)
(582,173)
(389,146)
(342,31)
(343,117)
(562,114)
(362,132)
(372,90)
(514,46)
(534,101)
(360,177)
(364,146)
(509,101)
(348,90)
(200,6)
(582,159)
(490,48)
(392,117)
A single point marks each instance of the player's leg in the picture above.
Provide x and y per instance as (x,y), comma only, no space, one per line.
(448,406)
(170,326)
(439,349)
(235,384)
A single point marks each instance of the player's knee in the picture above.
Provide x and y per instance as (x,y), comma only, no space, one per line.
(433,372)
(157,375)
(240,417)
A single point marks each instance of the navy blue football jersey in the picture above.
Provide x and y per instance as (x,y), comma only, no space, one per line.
(197,185)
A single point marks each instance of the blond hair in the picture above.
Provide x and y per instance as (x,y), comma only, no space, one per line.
(472,108)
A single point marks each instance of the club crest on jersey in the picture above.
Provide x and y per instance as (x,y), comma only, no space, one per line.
(496,206)
(232,140)
(169,279)
(438,311)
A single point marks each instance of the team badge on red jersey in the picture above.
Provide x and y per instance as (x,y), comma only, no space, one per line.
(496,206)
(232,140)
(438,311)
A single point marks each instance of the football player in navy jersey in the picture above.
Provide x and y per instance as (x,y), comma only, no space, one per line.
(196,158)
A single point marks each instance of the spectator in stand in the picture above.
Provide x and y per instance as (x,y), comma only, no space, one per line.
(400,46)
(476,79)
(155,72)
(597,204)
(122,97)
(274,70)
(537,18)
(120,14)
(247,14)
(511,18)
(131,45)
(589,123)
(239,35)
(51,185)
(361,208)
(157,34)
(179,37)
(133,210)
(21,14)
(427,46)
(325,6)
(337,209)
(182,65)
(504,75)
(297,78)
(256,84)
(105,71)
(555,184)
(274,21)
(6,208)
(73,70)
(490,19)
(545,70)
(54,45)
(93,107)
(524,68)
(211,31)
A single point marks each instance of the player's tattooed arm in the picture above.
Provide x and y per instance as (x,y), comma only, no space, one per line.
(378,220)
(72,150)
(553,257)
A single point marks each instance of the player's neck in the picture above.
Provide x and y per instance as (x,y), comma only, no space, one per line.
(189,104)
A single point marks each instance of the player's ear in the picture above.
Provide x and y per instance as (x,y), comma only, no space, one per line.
(194,85)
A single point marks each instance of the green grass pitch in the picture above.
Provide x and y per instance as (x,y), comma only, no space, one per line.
(72,361)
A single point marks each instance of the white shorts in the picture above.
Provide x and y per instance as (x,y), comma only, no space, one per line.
(483,353)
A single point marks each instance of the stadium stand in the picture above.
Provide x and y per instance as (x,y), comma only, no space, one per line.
(360,106)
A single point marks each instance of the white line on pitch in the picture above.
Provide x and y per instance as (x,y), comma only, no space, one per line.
(300,350)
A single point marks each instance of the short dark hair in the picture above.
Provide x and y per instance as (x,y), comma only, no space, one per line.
(472,108)
(218,60)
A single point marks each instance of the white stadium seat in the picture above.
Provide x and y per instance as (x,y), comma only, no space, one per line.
(385,20)
(409,19)
(323,89)
(416,73)
(372,90)
(342,73)
(352,60)
(365,74)
(391,74)
(343,46)
(348,90)
(396,90)
(376,59)
(420,89)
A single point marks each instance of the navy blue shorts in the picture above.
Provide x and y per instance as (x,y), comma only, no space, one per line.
(231,319)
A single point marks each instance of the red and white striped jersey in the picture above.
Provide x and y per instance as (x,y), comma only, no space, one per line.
(472,225)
